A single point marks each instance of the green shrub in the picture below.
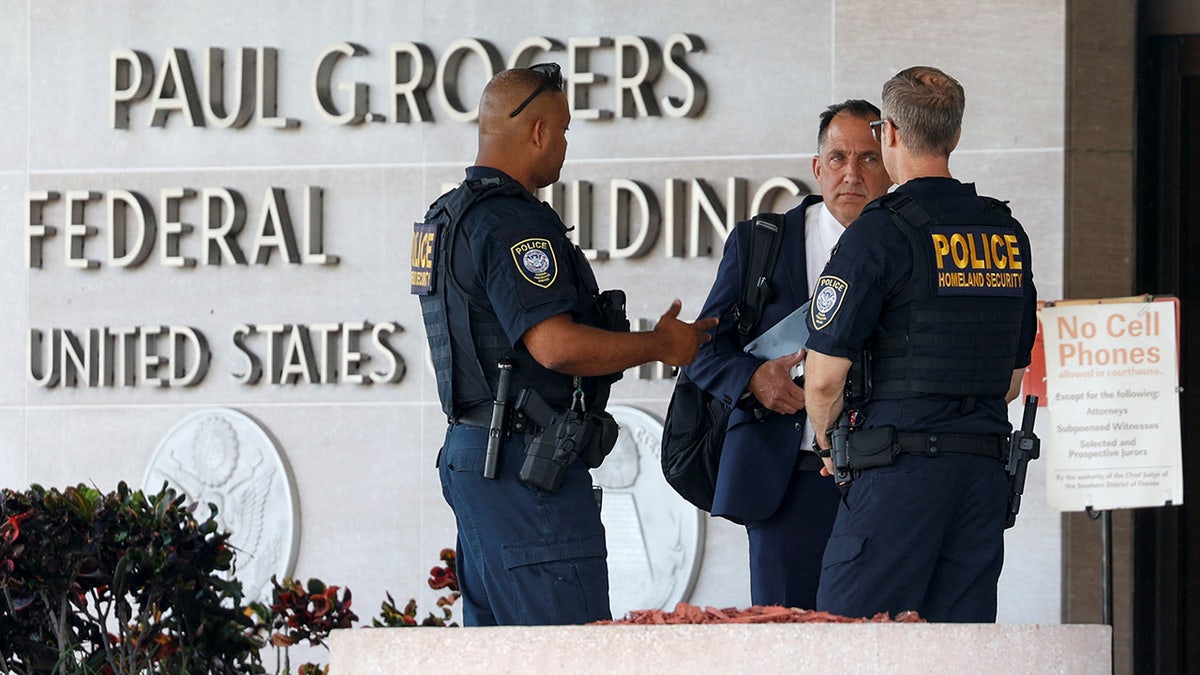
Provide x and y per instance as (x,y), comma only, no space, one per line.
(132,583)
(120,582)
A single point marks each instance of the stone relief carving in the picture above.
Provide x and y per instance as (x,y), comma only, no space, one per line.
(222,456)
(655,537)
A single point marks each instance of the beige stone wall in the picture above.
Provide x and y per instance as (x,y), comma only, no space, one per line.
(1098,253)
(371,513)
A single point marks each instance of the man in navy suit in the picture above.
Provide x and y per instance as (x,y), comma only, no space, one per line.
(769,478)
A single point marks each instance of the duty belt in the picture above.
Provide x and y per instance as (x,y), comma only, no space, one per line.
(932,445)
(808,462)
(481,416)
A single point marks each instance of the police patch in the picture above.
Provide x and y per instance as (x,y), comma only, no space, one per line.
(424,244)
(535,261)
(977,260)
(827,300)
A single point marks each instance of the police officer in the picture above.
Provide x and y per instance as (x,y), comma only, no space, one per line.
(935,283)
(768,479)
(507,285)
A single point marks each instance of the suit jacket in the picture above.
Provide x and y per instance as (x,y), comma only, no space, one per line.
(759,457)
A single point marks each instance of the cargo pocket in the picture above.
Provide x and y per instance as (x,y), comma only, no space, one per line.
(841,549)
(558,582)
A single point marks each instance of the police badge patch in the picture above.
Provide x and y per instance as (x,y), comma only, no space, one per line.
(827,300)
(535,261)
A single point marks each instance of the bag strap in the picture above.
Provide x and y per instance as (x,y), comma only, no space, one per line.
(765,234)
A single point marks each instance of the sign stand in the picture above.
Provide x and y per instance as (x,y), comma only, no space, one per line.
(1106,574)
(1106,568)
(1112,384)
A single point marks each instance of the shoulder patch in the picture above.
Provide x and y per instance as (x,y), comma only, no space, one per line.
(424,246)
(827,300)
(535,261)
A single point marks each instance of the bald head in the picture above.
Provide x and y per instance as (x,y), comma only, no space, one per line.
(503,94)
(531,146)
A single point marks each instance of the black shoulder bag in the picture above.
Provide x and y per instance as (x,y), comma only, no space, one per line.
(694,430)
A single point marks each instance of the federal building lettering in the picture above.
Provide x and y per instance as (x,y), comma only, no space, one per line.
(212,225)
(606,78)
(648,79)
(180,356)
(196,229)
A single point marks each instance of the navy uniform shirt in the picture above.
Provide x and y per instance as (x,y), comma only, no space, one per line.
(521,259)
(874,260)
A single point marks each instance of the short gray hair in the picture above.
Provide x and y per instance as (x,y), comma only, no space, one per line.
(926,106)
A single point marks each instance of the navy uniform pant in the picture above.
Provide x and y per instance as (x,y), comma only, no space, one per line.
(924,534)
(786,548)
(525,556)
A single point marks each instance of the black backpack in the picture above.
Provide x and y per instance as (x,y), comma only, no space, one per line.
(694,430)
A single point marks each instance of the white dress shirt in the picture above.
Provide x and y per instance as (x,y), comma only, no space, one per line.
(821,234)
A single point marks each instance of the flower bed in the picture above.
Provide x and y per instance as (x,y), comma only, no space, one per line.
(685,613)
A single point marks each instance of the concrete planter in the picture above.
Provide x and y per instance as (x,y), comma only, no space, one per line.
(926,649)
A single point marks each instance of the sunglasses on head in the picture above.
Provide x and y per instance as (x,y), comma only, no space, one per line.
(553,79)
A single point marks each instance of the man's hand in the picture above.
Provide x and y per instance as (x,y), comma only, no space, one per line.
(827,469)
(772,384)
(680,339)
(824,384)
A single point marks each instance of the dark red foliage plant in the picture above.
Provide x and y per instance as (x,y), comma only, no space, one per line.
(122,582)
(444,577)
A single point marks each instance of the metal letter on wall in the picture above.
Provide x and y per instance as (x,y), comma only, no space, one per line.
(655,538)
(224,457)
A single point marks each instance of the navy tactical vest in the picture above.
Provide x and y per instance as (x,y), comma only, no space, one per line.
(465,338)
(964,302)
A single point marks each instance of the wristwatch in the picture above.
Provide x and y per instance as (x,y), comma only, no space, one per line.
(821,452)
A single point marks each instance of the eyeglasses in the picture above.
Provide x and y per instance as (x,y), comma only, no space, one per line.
(877,128)
(553,79)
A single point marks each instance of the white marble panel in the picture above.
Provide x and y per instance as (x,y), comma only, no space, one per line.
(14,300)
(98,446)
(1032,183)
(372,516)
(761,76)
(14,82)
(1026,592)
(367,226)
(362,480)
(1009,57)
(724,579)
(13,450)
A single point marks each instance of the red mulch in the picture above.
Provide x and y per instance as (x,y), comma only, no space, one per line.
(685,613)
